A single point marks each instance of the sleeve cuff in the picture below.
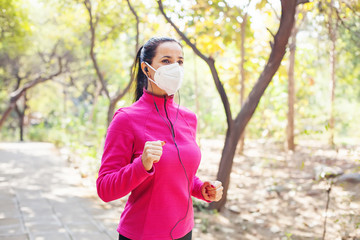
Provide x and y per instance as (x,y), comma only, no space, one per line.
(196,192)
(140,169)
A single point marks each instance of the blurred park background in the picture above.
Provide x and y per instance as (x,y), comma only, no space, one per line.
(65,67)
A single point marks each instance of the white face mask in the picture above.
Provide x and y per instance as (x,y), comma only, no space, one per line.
(168,77)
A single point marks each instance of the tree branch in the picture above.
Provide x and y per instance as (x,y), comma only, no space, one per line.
(242,119)
(345,25)
(137,25)
(119,95)
(272,34)
(87,4)
(181,34)
(278,51)
(298,2)
(14,96)
(274,10)
(113,28)
(209,60)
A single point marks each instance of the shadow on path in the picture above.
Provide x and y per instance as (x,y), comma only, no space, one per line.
(42,198)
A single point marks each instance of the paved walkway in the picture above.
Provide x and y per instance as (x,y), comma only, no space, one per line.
(42,198)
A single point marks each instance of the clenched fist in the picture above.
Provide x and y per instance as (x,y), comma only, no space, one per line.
(212,191)
(152,153)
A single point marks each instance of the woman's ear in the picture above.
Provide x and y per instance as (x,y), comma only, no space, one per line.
(145,69)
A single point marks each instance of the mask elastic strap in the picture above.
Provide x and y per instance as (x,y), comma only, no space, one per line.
(148,76)
(150,66)
(153,81)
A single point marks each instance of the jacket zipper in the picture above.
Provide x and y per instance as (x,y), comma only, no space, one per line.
(167,117)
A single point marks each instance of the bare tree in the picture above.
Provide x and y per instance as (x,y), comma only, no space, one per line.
(291,84)
(332,28)
(244,16)
(20,91)
(93,21)
(236,126)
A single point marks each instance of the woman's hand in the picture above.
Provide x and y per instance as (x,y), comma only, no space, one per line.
(212,191)
(152,153)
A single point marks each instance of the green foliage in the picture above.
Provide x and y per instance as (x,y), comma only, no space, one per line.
(288,235)
(14,27)
(69,111)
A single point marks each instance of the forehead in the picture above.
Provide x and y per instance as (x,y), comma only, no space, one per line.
(172,49)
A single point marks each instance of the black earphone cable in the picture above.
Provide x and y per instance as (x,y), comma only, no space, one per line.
(171,128)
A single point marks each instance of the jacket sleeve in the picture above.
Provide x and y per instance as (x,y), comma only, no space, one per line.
(196,188)
(118,175)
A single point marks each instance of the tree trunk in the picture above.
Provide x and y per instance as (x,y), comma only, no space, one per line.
(6,113)
(120,94)
(15,96)
(18,112)
(237,128)
(112,100)
(333,86)
(332,33)
(99,74)
(242,73)
(21,115)
(291,92)
(111,110)
(98,89)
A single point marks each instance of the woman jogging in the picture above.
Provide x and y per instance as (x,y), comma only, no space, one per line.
(151,152)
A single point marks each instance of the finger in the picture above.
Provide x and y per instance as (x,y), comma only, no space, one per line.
(153,143)
(211,192)
(155,152)
(157,148)
(157,143)
(212,188)
(219,194)
(204,188)
(216,183)
(154,158)
(215,192)
(151,148)
(219,191)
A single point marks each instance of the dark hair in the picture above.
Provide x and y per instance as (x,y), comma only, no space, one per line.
(146,53)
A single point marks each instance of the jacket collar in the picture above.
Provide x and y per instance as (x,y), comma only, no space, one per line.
(149,97)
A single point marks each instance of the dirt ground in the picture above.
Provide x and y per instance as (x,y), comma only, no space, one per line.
(278,195)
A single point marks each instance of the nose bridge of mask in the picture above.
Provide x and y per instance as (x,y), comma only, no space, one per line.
(167,68)
(172,70)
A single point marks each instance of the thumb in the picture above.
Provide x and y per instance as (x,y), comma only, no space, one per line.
(163,143)
(205,186)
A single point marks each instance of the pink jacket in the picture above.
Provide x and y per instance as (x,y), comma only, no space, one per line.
(159,199)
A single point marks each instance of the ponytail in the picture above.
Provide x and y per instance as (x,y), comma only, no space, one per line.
(139,76)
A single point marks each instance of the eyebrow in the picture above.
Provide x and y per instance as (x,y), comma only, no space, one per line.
(171,57)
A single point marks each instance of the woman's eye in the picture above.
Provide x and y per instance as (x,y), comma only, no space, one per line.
(165,61)
(180,62)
